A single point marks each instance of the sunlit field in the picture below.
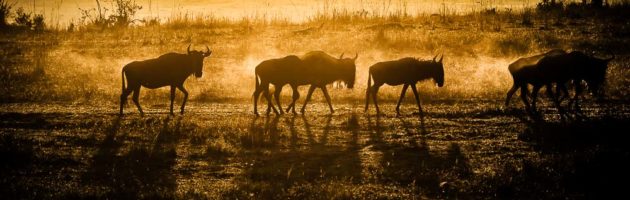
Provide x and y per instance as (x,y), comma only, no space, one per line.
(61,136)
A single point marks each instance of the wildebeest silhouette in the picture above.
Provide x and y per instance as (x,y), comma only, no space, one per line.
(523,73)
(279,72)
(320,69)
(575,66)
(407,71)
(558,67)
(315,68)
(170,69)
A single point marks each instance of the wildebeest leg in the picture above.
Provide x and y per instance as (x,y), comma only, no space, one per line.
(296,96)
(367,92)
(402,95)
(172,98)
(554,98)
(561,87)
(374,92)
(524,94)
(181,88)
(325,91)
(264,88)
(276,95)
(123,98)
(576,98)
(535,97)
(415,93)
(510,93)
(136,95)
(256,95)
(367,98)
(270,105)
(308,97)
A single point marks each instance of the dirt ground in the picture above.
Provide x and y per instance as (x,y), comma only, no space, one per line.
(459,149)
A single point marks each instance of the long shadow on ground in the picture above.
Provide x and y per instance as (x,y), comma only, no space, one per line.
(136,172)
(580,159)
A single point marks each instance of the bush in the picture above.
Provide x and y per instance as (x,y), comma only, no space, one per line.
(38,22)
(124,11)
(5,12)
(29,21)
(23,18)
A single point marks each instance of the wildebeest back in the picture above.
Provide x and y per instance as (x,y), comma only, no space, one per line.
(320,68)
(405,70)
(281,71)
(159,72)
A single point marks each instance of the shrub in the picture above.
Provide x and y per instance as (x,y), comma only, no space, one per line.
(5,12)
(38,22)
(124,12)
(122,16)
(23,18)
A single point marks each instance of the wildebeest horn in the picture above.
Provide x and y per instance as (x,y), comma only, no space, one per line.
(355,56)
(341,56)
(611,58)
(442,57)
(188,49)
(435,57)
(208,52)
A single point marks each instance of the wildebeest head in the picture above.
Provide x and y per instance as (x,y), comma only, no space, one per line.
(438,71)
(596,73)
(197,60)
(348,69)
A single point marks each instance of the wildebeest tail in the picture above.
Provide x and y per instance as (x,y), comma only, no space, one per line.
(123,80)
(369,84)
(257,80)
(367,91)
(123,84)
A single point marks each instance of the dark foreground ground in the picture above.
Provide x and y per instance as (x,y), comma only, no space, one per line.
(459,150)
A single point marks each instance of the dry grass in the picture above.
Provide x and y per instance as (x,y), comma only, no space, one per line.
(39,67)
(469,150)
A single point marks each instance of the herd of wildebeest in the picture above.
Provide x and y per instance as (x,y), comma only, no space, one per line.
(318,69)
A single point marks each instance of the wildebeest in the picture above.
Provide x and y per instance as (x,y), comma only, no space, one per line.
(575,66)
(315,68)
(407,71)
(320,69)
(523,73)
(170,69)
(278,72)
(558,67)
